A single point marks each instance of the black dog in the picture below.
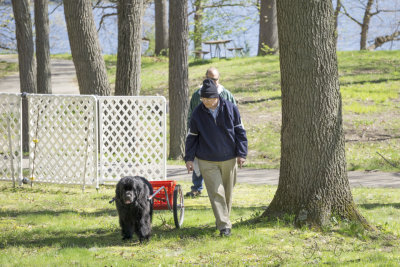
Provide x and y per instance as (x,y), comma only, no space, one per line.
(135,211)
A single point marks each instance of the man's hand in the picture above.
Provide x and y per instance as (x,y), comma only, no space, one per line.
(189,166)
(240,161)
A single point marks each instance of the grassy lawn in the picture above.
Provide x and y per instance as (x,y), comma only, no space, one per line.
(7,68)
(50,225)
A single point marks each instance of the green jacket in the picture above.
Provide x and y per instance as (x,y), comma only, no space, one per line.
(195,100)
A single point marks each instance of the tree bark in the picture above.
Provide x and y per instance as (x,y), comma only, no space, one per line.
(127,80)
(42,47)
(26,60)
(178,75)
(313,181)
(161,25)
(268,28)
(365,25)
(198,27)
(85,48)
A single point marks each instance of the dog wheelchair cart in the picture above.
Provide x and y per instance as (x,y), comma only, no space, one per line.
(168,195)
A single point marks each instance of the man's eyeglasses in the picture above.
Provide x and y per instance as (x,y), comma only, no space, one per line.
(208,100)
(214,79)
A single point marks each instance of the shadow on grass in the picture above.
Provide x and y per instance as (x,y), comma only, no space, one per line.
(105,237)
(200,62)
(371,206)
(38,188)
(104,212)
(244,102)
(383,80)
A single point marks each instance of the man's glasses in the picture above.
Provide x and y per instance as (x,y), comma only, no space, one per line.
(207,100)
(214,79)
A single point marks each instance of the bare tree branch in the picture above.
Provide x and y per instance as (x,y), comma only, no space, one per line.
(54,9)
(221,5)
(349,16)
(379,41)
(103,17)
(393,164)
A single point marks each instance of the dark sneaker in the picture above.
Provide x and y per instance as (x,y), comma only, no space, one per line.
(193,194)
(225,232)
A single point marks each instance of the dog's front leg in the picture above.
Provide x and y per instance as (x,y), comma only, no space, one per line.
(143,227)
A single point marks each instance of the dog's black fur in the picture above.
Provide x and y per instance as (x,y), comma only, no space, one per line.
(135,211)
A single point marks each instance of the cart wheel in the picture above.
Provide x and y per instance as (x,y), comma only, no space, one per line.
(178,208)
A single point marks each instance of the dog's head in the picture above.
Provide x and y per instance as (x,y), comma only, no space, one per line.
(131,190)
(128,194)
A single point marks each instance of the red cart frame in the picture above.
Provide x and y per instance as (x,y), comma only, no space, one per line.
(168,196)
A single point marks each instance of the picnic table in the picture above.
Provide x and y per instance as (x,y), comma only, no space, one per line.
(217,50)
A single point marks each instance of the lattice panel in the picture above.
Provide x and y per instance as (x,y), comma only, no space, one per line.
(63,139)
(132,137)
(10,137)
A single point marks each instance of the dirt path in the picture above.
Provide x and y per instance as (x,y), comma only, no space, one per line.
(63,77)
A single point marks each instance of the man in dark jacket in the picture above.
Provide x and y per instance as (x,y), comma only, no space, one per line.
(217,138)
(213,74)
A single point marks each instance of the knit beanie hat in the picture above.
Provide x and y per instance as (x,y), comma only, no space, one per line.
(209,89)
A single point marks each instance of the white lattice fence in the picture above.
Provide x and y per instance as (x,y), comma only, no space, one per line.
(63,139)
(10,137)
(132,137)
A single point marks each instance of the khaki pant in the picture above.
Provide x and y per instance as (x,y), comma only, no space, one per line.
(220,178)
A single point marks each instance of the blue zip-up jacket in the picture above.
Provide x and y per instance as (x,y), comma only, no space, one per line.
(217,139)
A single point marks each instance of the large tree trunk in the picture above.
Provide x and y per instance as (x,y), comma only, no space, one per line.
(127,80)
(313,181)
(178,76)
(365,25)
(268,27)
(198,27)
(42,47)
(85,48)
(26,60)
(161,25)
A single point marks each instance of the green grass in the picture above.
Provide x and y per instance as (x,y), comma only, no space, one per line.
(49,225)
(7,68)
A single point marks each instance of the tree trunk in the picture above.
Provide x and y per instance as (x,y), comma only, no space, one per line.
(268,28)
(85,48)
(26,60)
(127,80)
(178,75)
(198,27)
(365,25)
(313,181)
(336,17)
(42,47)
(161,27)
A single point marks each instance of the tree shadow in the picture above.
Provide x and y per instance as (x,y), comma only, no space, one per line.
(382,80)
(370,206)
(200,62)
(104,236)
(244,102)
(14,213)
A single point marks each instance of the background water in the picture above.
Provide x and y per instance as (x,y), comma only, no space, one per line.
(240,23)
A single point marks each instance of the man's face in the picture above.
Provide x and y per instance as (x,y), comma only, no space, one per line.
(213,75)
(210,103)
